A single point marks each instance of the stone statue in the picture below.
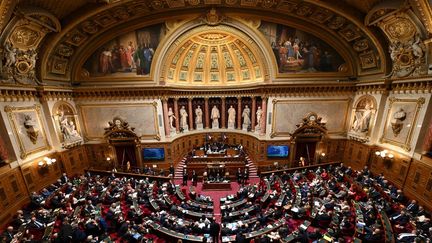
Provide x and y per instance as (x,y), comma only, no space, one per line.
(259,114)
(361,123)
(10,54)
(171,119)
(68,129)
(198,117)
(231,117)
(31,128)
(246,118)
(183,119)
(215,115)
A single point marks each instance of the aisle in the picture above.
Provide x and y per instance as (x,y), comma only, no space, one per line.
(215,195)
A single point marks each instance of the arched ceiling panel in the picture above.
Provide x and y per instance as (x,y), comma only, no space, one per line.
(59,53)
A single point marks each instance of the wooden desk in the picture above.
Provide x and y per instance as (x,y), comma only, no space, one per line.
(177,235)
(217,186)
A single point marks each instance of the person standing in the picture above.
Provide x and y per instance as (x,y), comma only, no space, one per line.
(214,230)
(239,176)
(185,177)
(194,178)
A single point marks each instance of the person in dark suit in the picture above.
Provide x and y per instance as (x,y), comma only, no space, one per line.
(185,177)
(376,236)
(78,234)
(34,224)
(8,235)
(413,207)
(239,176)
(214,230)
(171,170)
(315,235)
(194,178)
(64,179)
(65,234)
(240,238)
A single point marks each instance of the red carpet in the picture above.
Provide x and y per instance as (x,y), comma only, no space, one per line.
(215,195)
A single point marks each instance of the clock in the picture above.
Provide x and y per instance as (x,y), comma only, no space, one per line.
(312,118)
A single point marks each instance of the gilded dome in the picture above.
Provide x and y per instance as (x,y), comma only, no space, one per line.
(214,56)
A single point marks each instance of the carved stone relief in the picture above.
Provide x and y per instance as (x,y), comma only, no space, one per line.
(407,49)
(18,54)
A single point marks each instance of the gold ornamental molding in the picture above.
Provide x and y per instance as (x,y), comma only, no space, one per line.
(262,90)
(423,8)
(406,144)
(276,133)
(152,105)
(34,131)
(62,48)
(6,10)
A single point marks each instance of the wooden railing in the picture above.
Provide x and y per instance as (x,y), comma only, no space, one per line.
(264,173)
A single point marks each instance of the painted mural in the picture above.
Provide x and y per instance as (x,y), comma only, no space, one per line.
(298,52)
(130,54)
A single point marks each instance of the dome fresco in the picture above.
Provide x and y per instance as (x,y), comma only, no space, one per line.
(213,57)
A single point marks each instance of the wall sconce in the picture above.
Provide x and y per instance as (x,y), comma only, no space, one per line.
(108,159)
(386,157)
(43,164)
(321,158)
(384,154)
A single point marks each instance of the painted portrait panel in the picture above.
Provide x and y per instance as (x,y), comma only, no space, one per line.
(29,132)
(127,55)
(299,52)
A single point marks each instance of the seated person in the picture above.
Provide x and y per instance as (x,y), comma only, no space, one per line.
(374,236)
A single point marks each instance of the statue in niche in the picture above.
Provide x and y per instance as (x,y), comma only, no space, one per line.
(198,115)
(68,129)
(397,121)
(32,130)
(259,114)
(183,119)
(171,119)
(246,118)
(215,115)
(362,119)
(231,117)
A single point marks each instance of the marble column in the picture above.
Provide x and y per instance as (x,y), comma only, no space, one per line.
(206,113)
(223,115)
(176,114)
(264,119)
(239,113)
(190,112)
(166,119)
(253,114)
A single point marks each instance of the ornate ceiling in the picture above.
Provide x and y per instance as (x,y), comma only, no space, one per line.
(85,24)
(214,56)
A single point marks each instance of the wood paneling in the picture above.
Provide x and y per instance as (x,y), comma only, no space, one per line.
(418,183)
(13,194)
(16,184)
(75,161)
(413,176)
(356,154)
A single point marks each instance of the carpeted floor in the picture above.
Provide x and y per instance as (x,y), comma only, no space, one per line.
(215,195)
